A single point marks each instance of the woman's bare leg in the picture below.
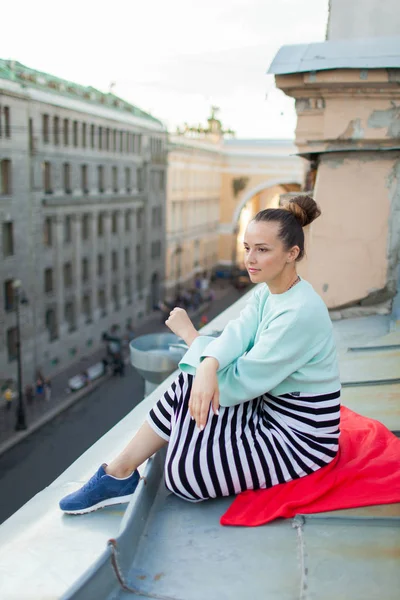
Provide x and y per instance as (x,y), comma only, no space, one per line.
(143,445)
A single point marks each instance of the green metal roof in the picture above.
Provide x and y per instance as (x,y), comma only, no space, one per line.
(27,77)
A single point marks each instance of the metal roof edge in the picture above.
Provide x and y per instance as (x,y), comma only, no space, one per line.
(364,53)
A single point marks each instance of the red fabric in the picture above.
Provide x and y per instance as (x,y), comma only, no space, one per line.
(366,471)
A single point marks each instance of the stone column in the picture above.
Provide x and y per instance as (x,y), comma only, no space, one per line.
(59,275)
(107,261)
(122,244)
(93,267)
(77,268)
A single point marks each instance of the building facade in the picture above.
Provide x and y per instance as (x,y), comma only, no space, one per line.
(347,102)
(195,162)
(216,183)
(82,216)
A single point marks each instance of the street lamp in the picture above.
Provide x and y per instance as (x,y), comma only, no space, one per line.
(21,421)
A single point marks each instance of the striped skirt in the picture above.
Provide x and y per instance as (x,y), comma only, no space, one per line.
(253,445)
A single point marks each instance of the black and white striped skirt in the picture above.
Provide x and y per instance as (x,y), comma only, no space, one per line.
(253,445)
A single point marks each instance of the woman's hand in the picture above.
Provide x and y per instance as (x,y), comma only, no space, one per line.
(204,392)
(180,324)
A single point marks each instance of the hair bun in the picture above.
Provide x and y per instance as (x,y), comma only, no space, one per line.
(304,208)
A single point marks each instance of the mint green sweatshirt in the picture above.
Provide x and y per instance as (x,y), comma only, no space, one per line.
(280,343)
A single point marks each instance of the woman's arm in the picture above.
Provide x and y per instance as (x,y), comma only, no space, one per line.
(287,345)
(237,337)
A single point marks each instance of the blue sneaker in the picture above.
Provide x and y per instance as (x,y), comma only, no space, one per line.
(101,490)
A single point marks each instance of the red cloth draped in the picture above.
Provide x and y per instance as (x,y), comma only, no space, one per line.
(366,471)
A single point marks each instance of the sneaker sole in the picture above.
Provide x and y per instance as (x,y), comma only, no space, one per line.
(103,504)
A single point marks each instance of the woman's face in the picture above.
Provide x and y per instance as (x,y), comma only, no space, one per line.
(265,254)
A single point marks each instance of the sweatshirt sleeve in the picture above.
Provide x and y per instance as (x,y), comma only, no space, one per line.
(237,337)
(285,346)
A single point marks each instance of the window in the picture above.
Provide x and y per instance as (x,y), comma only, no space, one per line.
(67,178)
(84,133)
(85,269)
(127,137)
(127,179)
(100,178)
(47,178)
(139,282)
(114,145)
(127,218)
(127,257)
(56,130)
(128,290)
(67,229)
(7,122)
(48,281)
(85,227)
(5,177)
(84,179)
(47,232)
(107,138)
(46,128)
(140,179)
(101,300)
(115,179)
(115,296)
(92,136)
(87,308)
(114,222)
(69,315)
(138,254)
(114,260)
(139,217)
(75,133)
(67,270)
(9,296)
(100,224)
(100,138)
(66,132)
(100,265)
(154,216)
(51,324)
(12,343)
(121,141)
(155,249)
(8,239)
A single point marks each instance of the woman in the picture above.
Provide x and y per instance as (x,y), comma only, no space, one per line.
(257,406)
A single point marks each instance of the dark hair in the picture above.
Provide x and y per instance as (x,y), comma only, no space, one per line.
(293,216)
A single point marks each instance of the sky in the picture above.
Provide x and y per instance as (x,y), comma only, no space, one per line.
(173,58)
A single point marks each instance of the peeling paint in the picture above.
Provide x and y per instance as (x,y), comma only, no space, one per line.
(393,248)
(353,131)
(389,118)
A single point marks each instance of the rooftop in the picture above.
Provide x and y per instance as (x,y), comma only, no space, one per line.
(177,550)
(30,78)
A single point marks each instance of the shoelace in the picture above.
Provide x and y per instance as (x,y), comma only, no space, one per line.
(91,483)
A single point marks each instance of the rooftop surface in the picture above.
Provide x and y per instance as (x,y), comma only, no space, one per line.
(15,71)
(175,550)
(368,53)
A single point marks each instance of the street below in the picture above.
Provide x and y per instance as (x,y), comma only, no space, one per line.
(35,462)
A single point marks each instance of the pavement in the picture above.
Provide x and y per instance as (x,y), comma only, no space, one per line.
(40,411)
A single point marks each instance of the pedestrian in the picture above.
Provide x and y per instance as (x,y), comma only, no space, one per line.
(8,397)
(47,389)
(29,393)
(39,386)
(86,378)
(264,396)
